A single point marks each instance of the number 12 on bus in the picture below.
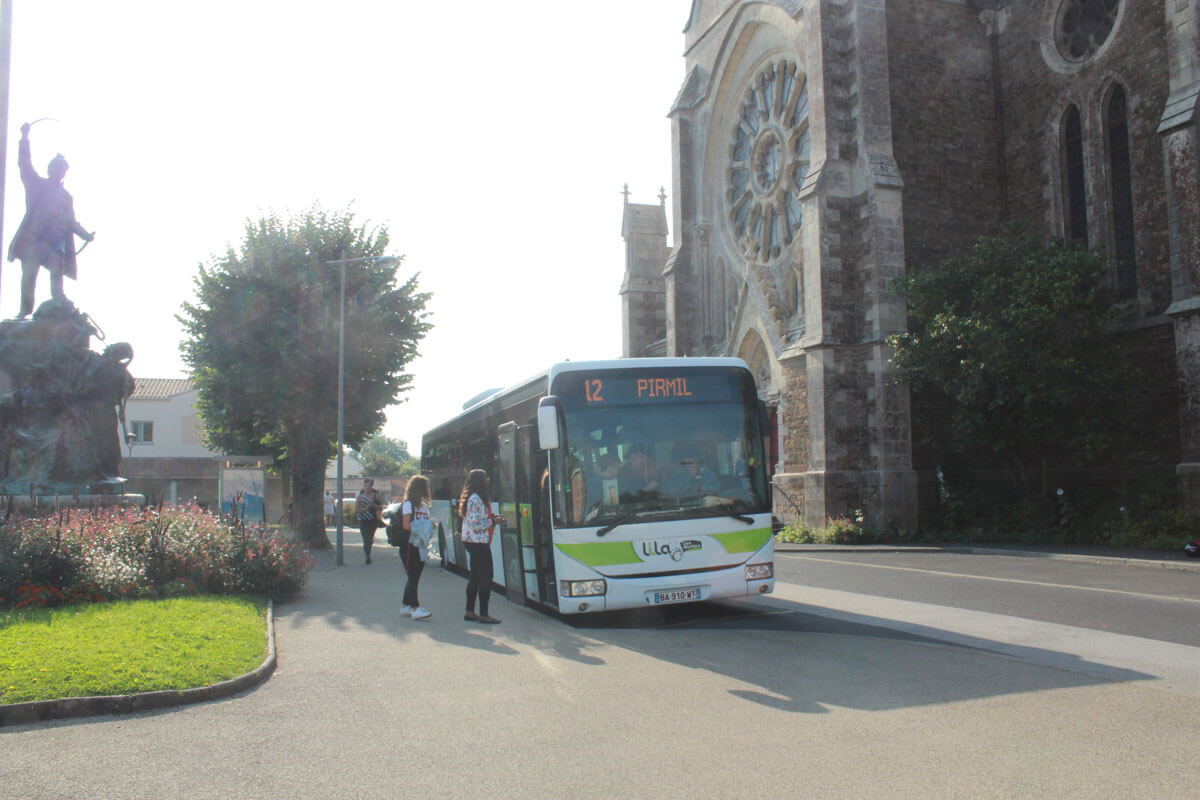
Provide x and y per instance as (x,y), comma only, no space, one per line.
(646,388)
(622,484)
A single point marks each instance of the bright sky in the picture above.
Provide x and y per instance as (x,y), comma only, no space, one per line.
(492,139)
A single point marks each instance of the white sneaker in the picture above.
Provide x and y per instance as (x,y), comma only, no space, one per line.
(406,611)
(421,613)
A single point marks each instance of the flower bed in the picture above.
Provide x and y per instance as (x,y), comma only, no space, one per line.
(86,555)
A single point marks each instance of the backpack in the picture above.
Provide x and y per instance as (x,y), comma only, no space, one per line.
(396,535)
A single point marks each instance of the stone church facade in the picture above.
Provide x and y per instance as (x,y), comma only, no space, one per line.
(824,148)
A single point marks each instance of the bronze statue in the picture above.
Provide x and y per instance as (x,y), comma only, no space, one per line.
(46,235)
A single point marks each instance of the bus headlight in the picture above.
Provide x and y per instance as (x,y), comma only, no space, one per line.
(759,572)
(583,588)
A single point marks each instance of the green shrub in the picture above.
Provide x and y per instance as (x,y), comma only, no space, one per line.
(837,530)
(843,530)
(1012,366)
(1152,522)
(795,534)
(1155,528)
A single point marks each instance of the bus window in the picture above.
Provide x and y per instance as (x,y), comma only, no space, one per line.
(688,459)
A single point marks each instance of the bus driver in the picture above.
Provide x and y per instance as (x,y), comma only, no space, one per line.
(695,479)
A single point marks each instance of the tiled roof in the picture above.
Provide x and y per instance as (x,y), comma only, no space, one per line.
(160,388)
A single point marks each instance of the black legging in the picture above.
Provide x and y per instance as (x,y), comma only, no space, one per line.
(480,581)
(415,565)
(367,530)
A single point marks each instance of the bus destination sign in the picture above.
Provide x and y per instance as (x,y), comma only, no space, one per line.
(637,387)
(644,388)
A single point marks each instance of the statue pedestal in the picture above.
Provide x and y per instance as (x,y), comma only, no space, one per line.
(59,427)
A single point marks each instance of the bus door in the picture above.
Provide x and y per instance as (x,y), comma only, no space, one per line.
(510,508)
(534,507)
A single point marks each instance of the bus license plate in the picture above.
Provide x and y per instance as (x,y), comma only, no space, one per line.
(674,596)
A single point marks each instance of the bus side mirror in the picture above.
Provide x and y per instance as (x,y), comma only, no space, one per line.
(764,418)
(547,422)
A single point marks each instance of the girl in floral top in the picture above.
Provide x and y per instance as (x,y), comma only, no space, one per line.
(475,509)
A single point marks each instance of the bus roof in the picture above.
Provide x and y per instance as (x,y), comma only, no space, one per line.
(643,363)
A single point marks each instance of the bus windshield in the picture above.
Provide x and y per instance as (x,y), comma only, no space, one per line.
(661,444)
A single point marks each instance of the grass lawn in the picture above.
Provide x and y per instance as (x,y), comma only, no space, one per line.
(129,646)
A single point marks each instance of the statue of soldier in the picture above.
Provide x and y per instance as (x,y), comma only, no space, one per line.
(46,235)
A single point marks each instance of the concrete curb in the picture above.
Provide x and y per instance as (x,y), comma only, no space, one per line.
(1163,562)
(72,707)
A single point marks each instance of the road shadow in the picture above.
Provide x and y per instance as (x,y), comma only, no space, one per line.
(358,595)
(878,666)
(776,653)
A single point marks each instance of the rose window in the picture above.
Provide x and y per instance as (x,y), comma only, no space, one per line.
(768,159)
(1083,26)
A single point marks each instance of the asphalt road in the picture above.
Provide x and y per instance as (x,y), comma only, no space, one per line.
(1160,602)
(817,691)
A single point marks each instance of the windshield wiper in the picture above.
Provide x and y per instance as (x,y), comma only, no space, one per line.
(621,520)
(731,511)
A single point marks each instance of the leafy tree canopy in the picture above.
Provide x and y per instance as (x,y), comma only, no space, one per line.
(1012,362)
(262,344)
(382,455)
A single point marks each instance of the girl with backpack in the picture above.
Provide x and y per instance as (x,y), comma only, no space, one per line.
(415,519)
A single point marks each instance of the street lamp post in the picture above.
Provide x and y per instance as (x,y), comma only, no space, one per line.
(341,405)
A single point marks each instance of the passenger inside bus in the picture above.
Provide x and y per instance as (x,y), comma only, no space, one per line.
(576,485)
(602,485)
(636,480)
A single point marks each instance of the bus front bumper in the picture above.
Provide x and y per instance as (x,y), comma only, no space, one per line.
(640,592)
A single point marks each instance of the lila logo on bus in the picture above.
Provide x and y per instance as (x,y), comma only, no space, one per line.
(674,550)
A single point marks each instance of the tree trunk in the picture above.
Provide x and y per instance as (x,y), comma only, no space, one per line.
(308,492)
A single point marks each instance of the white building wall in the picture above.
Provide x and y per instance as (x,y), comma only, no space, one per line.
(177,429)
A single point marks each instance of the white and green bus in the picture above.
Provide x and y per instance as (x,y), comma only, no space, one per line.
(622,484)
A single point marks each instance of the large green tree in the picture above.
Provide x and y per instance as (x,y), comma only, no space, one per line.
(262,345)
(383,455)
(1012,360)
